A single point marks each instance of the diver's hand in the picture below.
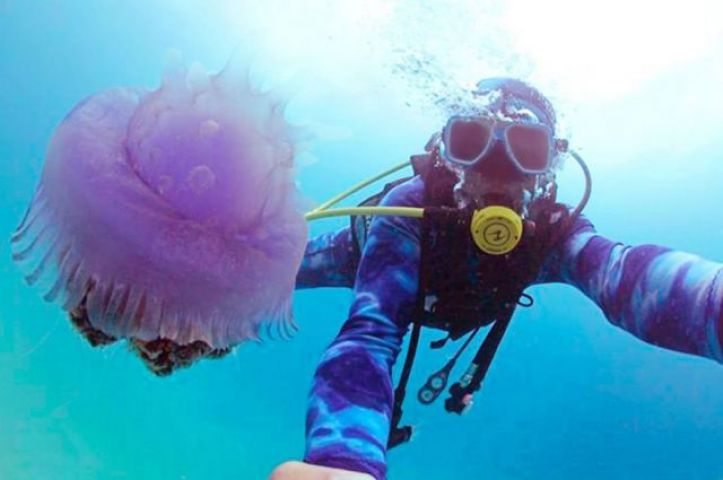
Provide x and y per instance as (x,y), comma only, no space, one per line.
(305,471)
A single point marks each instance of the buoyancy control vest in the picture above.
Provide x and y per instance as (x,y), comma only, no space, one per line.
(461,288)
(459,284)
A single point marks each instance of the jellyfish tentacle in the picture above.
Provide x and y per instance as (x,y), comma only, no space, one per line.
(62,277)
(76,286)
(31,215)
(28,250)
(42,264)
(116,306)
(134,311)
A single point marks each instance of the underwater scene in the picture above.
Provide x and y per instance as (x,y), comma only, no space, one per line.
(185,297)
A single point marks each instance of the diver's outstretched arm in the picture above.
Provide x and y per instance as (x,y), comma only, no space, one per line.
(667,298)
(350,405)
(330,260)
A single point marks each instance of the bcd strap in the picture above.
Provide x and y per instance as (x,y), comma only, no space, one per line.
(461,392)
(397,434)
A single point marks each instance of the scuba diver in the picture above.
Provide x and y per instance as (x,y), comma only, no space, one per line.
(453,248)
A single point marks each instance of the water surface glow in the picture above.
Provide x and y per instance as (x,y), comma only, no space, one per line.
(637,85)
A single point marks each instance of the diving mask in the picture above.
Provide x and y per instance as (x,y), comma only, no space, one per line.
(466,140)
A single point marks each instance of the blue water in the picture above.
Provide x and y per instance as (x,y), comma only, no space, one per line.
(568,397)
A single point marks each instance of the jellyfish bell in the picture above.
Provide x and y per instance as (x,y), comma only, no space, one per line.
(169,218)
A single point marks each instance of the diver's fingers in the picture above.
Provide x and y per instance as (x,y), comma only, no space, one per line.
(305,471)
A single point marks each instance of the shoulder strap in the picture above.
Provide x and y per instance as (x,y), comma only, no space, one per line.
(397,434)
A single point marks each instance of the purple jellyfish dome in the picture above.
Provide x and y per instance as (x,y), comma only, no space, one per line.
(169,215)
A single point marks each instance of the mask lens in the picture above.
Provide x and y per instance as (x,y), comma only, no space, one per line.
(530,147)
(467,140)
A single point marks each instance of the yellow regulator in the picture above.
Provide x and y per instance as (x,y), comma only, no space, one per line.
(496,230)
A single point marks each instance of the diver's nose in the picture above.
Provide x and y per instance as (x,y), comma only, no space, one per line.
(497,164)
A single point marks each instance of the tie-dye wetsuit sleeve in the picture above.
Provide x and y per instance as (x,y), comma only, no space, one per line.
(330,260)
(351,400)
(664,297)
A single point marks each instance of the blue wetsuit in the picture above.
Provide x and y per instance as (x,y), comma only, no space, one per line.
(667,298)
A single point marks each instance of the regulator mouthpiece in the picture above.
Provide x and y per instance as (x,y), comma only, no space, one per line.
(496,230)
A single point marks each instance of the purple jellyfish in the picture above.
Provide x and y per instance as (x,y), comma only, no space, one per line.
(169,218)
